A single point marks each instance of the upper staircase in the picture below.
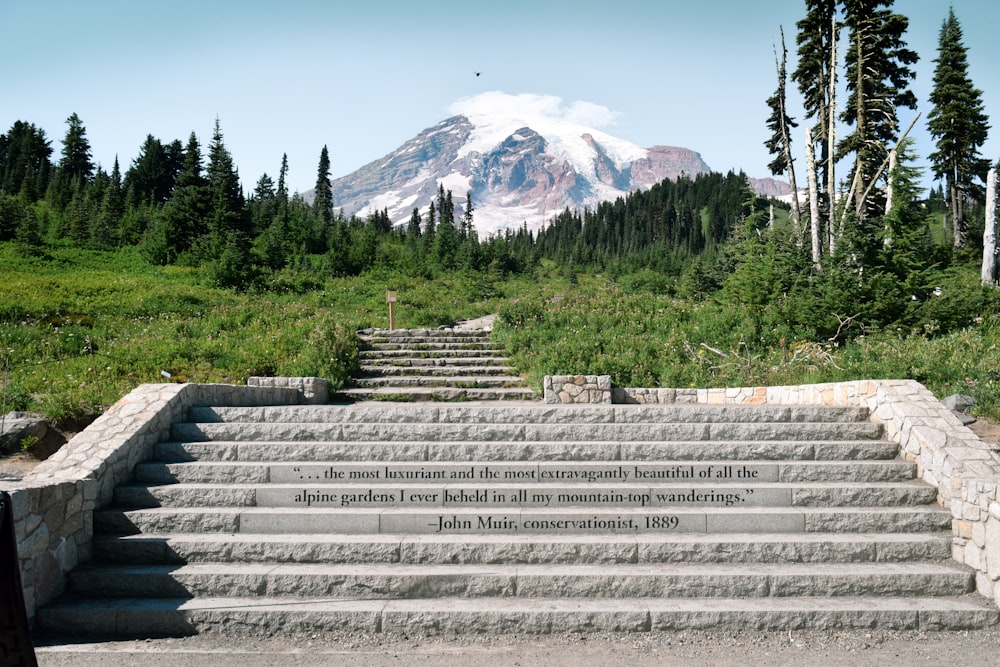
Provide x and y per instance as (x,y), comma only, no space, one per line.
(520,518)
(449,364)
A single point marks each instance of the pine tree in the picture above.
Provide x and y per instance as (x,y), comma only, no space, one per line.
(816,76)
(76,162)
(780,143)
(323,199)
(184,217)
(105,229)
(25,161)
(151,176)
(959,125)
(226,219)
(878,78)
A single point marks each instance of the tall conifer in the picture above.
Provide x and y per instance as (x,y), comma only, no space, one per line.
(959,125)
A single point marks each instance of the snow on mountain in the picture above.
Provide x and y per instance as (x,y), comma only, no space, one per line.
(523,159)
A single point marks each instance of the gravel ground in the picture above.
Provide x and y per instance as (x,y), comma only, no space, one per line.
(854,648)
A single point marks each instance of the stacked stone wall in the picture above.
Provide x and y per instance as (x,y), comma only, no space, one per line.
(964,469)
(54,506)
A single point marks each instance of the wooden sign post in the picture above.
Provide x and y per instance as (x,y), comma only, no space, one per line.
(390,298)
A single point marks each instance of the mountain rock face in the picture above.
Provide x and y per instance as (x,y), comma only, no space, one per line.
(515,174)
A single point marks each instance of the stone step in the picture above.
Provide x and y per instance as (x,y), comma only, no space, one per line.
(336,472)
(467,381)
(435,345)
(380,362)
(492,495)
(403,353)
(511,521)
(434,370)
(537,549)
(425,338)
(417,395)
(399,581)
(631,433)
(530,414)
(180,616)
(506,451)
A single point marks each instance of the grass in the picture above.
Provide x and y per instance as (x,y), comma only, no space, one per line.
(79,329)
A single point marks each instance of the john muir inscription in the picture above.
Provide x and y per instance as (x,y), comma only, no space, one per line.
(512,497)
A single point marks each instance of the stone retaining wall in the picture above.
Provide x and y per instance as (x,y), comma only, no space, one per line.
(964,469)
(54,506)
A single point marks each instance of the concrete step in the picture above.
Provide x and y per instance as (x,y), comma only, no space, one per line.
(514,521)
(502,496)
(512,451)
(333,472)
(299,616)
(399,581)
(536,549)
(530,414)
(513,432)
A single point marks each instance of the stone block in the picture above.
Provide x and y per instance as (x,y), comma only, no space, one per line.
(992,547)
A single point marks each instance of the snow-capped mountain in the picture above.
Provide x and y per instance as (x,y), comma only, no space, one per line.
(519,166)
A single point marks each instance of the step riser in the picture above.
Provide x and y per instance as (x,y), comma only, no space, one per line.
(521,432)
(401,618)
(517,522)
(508,496)
(393,473)
(410,551)
(283,581)
(665,416)
(535,451)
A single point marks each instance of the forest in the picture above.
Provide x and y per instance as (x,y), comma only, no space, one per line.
(694,282)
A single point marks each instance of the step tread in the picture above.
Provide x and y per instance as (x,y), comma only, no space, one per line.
(143,617)
(860,569)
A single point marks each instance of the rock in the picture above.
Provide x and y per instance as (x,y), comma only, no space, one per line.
(15,427)
(959,402)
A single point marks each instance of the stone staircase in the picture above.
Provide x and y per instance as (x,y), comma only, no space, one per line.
(511,518)
(450,364)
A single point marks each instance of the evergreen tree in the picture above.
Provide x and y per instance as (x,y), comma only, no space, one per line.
(226,218)
(76,162)
(816,76)
(959,125)
(106,224)
(780,124)
(878,78)
(184,217)
(25,161)
(906,242)
(152,174)
(323,199)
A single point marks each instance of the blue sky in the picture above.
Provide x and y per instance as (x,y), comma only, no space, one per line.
(362,77)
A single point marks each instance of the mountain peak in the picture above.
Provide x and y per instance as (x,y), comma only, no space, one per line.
(523,159)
